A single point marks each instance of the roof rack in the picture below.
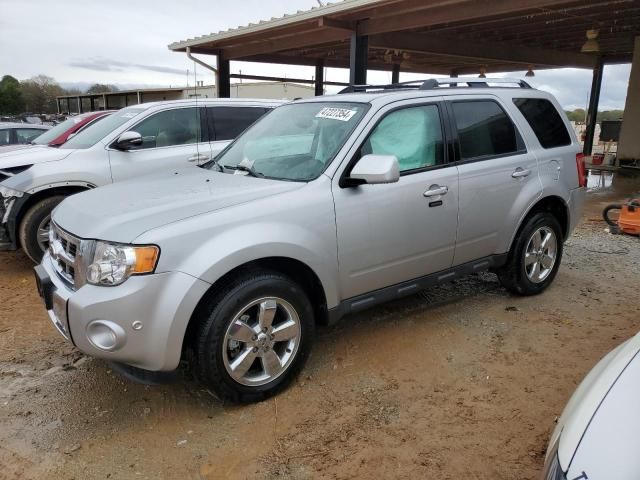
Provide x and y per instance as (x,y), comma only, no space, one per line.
(433,83)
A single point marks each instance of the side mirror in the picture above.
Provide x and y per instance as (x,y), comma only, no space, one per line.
(373,169)
(128,140)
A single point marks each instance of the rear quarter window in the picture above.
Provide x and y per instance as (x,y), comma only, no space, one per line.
(545,121)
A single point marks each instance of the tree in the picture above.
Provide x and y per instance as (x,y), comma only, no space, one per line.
(102,88)
(40,94)
(11,99)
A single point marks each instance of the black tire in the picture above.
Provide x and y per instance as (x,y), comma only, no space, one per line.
(215,316)
(28,231)
(513,275)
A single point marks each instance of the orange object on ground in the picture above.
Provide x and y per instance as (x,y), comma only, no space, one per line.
(629,219)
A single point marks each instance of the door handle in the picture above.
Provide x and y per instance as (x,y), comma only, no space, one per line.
(521,172)
(435,190)
(198,158)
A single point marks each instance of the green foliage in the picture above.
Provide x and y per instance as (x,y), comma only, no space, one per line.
(40,94)
(579,115)
(11,98)
(102,88)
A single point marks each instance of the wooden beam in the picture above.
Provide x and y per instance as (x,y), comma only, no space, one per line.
(312,38)
(326,22)
(469,10)
(489,51)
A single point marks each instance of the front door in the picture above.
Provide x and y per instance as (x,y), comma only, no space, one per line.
(391,233)
(171,138)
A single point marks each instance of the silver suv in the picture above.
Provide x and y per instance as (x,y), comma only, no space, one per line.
(324,207)
(134,141)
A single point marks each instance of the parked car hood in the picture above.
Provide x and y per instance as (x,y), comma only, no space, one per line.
(590,396)
(32,155)
(123,211)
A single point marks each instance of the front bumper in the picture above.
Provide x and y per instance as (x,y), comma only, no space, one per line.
(9,208)
(139,323)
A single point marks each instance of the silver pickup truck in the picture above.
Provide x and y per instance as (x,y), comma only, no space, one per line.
(323,207)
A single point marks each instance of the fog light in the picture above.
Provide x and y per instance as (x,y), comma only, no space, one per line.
(106,335)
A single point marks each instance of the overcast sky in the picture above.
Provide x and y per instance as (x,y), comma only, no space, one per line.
(124,42)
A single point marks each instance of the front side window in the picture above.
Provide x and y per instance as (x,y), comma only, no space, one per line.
(295,141)
(178,126)
(26,135)
(484,129)
(229,122)
(89,136)
(413,135)
(545,121)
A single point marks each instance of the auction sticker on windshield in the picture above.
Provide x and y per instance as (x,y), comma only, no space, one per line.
(333,113)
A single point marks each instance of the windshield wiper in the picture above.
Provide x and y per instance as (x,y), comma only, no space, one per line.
(249,170)
(213,162)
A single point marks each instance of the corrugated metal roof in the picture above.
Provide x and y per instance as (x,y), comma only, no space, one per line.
(274,22)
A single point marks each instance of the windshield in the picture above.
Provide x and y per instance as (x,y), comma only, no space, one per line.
(55,132)
(295,141)
(91,135)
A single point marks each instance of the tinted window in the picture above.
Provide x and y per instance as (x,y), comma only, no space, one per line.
(413,135)
(545,121)
(229,122)
(26,135)
(178,126)
(5,136)
(484,129)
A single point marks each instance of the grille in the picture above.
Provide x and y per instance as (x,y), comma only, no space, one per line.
(63,248)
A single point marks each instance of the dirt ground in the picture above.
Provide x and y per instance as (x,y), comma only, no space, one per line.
(460,381)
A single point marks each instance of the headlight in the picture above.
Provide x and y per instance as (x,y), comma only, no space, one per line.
(552,469)
(113,264)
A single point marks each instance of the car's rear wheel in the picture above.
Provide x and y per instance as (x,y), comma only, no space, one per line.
(535,256)
(35,225)
(254,336)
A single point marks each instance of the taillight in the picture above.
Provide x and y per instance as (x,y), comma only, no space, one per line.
(582,170)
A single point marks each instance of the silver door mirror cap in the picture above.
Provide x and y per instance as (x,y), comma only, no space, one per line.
(373,169)
(128,140)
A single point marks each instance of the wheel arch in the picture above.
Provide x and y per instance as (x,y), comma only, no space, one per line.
(37,195)
(295,269)
(552,204)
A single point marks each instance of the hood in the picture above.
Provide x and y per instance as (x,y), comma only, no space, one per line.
(123,211)
(31,155)
(589,395)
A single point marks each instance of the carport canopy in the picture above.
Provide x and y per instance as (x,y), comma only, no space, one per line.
(444,37)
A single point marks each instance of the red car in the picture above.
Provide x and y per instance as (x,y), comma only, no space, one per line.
(61,132)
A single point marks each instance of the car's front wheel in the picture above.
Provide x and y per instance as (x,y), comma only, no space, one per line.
(254,336)
(35,225)
(535,256)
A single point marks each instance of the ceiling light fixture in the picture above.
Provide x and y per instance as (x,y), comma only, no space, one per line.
(591,45)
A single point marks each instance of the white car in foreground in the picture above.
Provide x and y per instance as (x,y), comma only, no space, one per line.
(598,434)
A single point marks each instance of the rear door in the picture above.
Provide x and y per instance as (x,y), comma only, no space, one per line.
(391,233)
(227,122)
(172,138)
(498,176)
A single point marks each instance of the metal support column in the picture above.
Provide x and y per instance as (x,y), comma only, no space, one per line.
(592,113)
(139,97)
(92,102)
(395,73)
(358,54)
(58,104)
(79,105)
(319,78)
(224,77)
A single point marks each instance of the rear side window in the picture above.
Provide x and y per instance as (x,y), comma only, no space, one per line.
(484,129)
(545,121)
(229,122)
